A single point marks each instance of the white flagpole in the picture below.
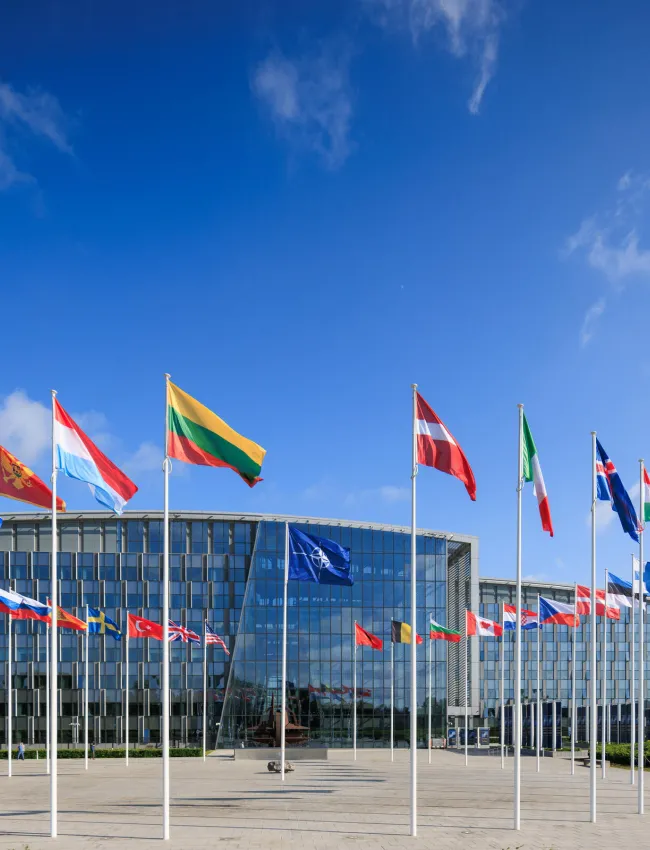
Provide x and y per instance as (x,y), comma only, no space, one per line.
(126,702)
(205,690)
(539,688)
(641,711)
(632,693)
(517,712)
(502,692)
(86,697)
(466,688)
(430,647)
(10,696)
(573,683)
(603,686)
(283,720)
(47,699)
(165,625)
(354,695)
(593,704)
(392,700)
(54,594)
(414,691)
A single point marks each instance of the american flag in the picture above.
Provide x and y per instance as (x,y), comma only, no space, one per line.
(182,633)
(212,637)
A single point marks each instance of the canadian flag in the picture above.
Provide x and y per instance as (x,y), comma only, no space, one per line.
(437,447)
(141,628)
(482,627)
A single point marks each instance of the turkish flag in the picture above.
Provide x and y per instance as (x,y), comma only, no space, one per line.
(141,628)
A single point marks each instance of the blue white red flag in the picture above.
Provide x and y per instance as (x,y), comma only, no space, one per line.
(22,607)
(610,488)
(78,457)
(211,637)
(559,613)
(528,618)
(182,633)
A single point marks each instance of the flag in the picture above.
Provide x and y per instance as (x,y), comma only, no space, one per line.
(481,627)
(78,457)
(141,628)
(401,633)
(65,620)
(211,637)
(100,623)
(560,613)
(533,472)
(603,606)
(30,609)
(317,559)
(646,495)
(619,591)
(437,447)
(528,618)
(364,638)
(196,435)
(583,599)
(17,481)
(610,488)
(438,632)
(182,633)
(10,601)
(637,580)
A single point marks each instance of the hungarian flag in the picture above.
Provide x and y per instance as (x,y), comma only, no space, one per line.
(438,632)
(533,472)
(646,495)
(65,620)
(364,638)
(17,481)
(401,633)
(141,628)
(482,627)
(437,447)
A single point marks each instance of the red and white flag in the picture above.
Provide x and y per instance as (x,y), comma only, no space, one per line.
(604,607)
(141,628)
(482,627)
(437,447)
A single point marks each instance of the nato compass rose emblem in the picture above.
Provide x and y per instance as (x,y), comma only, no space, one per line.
(320,560)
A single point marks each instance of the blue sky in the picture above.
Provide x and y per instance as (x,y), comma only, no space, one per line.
(300,209)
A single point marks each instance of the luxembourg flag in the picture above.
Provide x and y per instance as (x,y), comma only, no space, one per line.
(528,618)
(560,613)
(78,457)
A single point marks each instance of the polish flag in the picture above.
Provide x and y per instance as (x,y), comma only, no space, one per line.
(482,627)
(437,447)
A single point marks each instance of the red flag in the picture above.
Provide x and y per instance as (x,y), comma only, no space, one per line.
(583,603)
(65,620)
(365,638)
(141,628)
(482,627)
(437,447)
(17,481)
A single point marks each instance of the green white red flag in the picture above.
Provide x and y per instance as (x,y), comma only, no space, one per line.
(438,632)
(646,495)
(533,472)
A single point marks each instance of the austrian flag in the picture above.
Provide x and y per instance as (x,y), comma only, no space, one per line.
(437,447)
(482,627)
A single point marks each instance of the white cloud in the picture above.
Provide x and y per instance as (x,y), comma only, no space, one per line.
(471,30)
(590,321)
(147,458)
(387,494)
(25,426)
(604,513)
(309,100)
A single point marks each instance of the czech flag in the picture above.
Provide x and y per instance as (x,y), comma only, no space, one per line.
(559,613)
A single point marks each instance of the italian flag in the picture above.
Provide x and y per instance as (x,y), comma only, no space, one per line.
(646,495)
(438,632)
(533,472)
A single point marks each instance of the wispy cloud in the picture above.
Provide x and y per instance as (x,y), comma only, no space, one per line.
(309,100)
(471,30)
(590,321)
(25,426)
(34,113)
(388,494)
(604,513)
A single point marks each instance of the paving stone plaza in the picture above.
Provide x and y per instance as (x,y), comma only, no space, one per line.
(325,804)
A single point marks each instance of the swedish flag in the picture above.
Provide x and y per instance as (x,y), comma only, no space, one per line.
(100,624)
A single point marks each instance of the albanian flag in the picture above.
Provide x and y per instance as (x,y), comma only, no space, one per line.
(17,481)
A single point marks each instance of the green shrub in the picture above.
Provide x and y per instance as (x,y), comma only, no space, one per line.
(101,753)
(620,753)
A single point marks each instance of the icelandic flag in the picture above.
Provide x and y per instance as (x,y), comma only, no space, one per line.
(78,457)
(560,613)
(528,618)
(610,488)
(317,559)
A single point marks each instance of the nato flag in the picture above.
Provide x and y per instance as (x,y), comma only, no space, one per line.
(317,559)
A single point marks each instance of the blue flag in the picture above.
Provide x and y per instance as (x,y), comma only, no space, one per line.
(610,487)
(100,624)
(317,559)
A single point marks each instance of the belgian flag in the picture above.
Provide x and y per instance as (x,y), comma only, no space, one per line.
(401,633)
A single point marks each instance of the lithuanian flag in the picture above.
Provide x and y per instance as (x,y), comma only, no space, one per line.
(401,632)
(197,435)
(438,632)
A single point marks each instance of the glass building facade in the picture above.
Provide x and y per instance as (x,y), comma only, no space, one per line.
(556,664)
(228,569)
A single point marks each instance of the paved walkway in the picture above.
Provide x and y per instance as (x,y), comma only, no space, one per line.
(325,805)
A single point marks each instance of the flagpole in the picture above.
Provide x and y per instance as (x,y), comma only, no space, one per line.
(86,698)
(632,694)
(539,703)
(392,701)
(283,721)
(205,690)
(54,593)
(603,686)
(165,625)
(10,695)
(466,688)
(126,703)
(429,670)
(414,692)
(354,698)
(593,720)
(517,713)
(573,682)
(502,691)
(641,711)
(47,699)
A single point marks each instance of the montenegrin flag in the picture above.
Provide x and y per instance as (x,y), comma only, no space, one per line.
(197,435)
(482,627)
(533,472)
(18,482)
(438,632)
(437,447)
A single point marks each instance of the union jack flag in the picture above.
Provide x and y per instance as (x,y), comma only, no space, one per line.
(212,637)
(182,633)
